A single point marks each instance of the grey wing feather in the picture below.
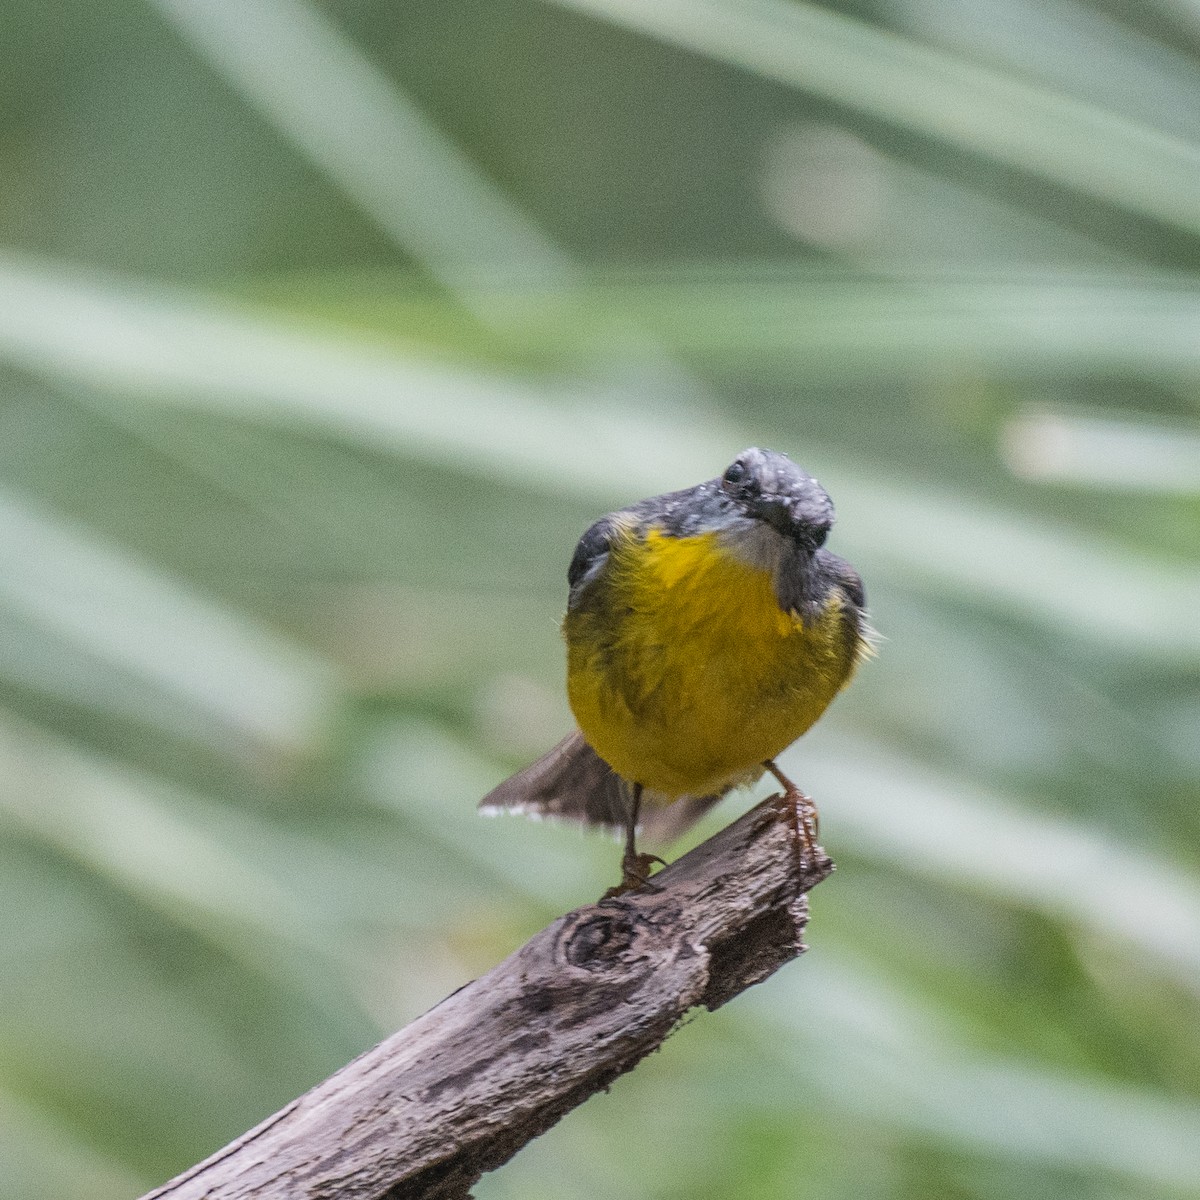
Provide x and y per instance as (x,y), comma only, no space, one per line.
(591,554)
(569,783)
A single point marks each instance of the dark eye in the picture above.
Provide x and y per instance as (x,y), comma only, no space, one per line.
(735,475)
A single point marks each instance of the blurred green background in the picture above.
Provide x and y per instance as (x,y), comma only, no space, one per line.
(326,328)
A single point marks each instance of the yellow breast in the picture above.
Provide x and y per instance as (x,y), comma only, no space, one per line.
(684,673)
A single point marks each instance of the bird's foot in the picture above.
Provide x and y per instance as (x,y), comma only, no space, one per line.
(803,820)
(635,875)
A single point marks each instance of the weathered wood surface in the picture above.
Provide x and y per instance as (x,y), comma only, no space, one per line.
(465,1086)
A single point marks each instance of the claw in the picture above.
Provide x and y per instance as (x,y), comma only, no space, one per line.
(635,875)
(804,817)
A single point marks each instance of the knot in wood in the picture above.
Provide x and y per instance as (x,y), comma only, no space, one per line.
(598,938)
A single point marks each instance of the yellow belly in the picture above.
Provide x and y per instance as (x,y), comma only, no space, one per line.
(684,673)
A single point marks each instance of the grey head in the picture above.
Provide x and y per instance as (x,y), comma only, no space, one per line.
(765,509)
(765,485)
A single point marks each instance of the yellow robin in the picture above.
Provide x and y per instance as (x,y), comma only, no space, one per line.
(706,630)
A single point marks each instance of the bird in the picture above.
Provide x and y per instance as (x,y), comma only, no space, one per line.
(706,630)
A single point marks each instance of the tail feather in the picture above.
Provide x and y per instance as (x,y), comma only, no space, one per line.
(569,783)
(663,823)
(573,783)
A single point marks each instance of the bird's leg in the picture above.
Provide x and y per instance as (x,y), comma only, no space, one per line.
(635,867)
(803,813)
(633,810)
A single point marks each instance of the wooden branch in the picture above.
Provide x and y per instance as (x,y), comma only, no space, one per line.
(460,1090)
